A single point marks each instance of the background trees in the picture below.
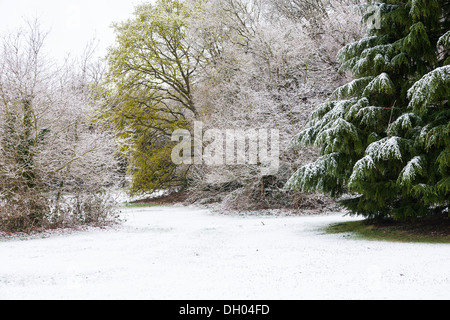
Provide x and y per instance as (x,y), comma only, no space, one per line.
(384,136)
(232,64)
(55,163)
(265,69)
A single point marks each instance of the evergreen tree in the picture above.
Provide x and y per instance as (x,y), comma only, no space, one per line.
(385,136)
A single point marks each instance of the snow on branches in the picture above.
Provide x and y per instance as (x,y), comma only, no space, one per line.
(56,163)
(432,89)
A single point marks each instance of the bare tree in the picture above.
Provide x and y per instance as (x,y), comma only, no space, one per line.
(266,69)
(56,164)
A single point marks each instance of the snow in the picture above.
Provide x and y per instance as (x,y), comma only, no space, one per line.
(428,90)
(404,122)
(385,149)
(378,50)
(351,88)
(361,167)
(186,253)
(355,108)
(326,121)
(354,48)
(381,84)
(445,40)
(331,135)
(312,171)
(359,66)
(411,170)
(370,115)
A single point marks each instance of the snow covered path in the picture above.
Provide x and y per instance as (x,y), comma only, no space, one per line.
(185,253)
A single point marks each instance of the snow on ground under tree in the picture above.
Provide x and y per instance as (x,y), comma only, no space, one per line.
(185,253)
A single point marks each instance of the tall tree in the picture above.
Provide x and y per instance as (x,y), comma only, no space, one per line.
(385,136)
(149,89)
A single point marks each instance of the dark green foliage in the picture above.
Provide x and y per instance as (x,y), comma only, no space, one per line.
(384,137)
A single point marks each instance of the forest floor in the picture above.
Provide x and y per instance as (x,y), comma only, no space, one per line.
(165,252)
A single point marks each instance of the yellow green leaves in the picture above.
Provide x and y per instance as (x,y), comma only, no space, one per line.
(150,89)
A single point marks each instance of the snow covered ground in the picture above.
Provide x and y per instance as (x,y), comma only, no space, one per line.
(185,253)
